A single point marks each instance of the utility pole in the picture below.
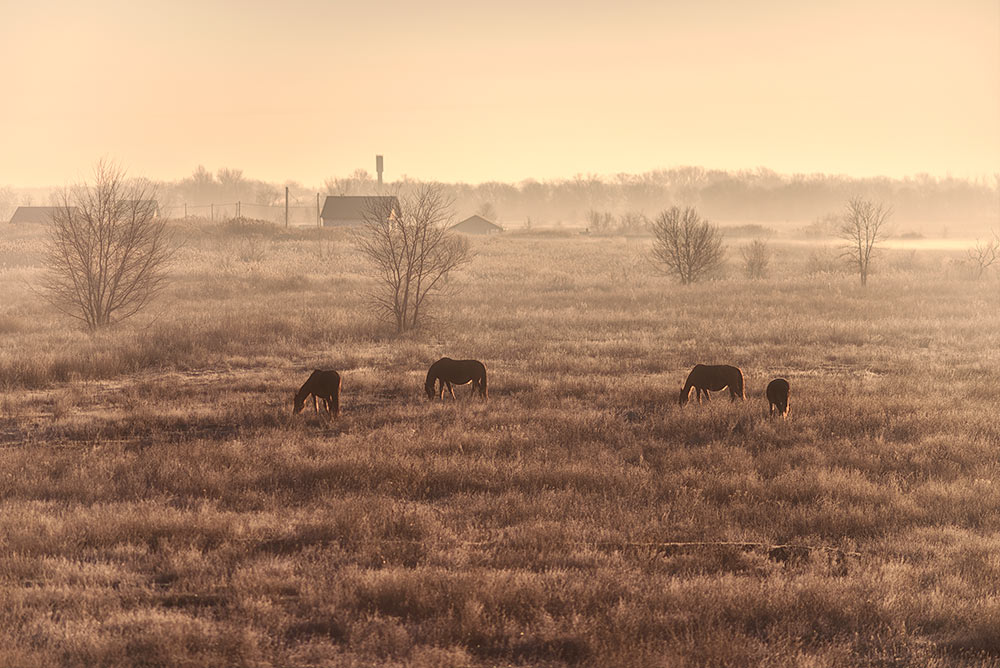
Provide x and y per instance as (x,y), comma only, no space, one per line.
(213,210)
(286,206)
(317,210)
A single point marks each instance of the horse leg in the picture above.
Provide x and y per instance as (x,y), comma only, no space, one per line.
(315,405)
(451,390)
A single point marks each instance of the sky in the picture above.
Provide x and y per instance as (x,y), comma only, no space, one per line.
(303,90)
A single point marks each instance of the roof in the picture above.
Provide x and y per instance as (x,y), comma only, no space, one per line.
(354,207)
(35,214)
(476,225)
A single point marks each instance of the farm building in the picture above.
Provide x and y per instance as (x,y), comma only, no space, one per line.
(345,210)
(34,214)
(476,225)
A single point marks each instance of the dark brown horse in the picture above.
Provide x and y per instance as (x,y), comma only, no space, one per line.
(705,377)
(458,372)
(322,384)
(777,396)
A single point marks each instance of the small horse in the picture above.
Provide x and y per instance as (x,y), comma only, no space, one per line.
(704,377)
(322,384)
(777,396)
(459,372)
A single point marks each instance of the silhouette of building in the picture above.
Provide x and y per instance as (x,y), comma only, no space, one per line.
(347,210)
(476,225)
(35,214)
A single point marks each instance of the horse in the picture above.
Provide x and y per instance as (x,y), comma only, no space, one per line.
(324,384)
(459,372)
(704,377)
(777,396)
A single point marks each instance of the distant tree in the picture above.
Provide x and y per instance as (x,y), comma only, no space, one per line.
(600,221)
(267,195)
(863,227)
(411,252)
(8,202)
(107,250)
(756,258)
(689,247)
(633,222)
(487,210)
(983,255)
(337,186)
(231,182)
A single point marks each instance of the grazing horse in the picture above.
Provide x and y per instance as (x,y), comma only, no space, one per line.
(459,372)
(777,396)
(704,377)
(322,384)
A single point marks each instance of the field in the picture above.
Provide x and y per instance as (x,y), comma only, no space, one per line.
(160,505)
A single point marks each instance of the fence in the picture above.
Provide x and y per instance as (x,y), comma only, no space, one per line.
(298,215)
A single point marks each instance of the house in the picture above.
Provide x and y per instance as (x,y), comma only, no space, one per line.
(35,214)
(346,210)
(476,225)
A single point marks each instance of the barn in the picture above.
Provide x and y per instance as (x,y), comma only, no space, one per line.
(476,225)
(34,214)
(347,210)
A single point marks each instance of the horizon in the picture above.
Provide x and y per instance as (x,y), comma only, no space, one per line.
(461,94)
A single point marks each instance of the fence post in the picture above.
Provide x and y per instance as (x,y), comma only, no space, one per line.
(286,206)
(238,214)
(185,209)
(318,223)
(213,210)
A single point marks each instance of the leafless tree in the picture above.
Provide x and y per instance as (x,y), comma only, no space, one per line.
(756,258)
(8,202)
(863,228)
(107,250)
(689,247)
(487,210)
(984,254)
(412,252)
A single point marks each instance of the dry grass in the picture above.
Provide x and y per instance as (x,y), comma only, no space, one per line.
(161,506)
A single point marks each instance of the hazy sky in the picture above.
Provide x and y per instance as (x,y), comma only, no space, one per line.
(472,91)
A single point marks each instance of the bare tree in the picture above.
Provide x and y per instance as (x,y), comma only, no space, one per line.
(107,250)
(688,245)
(984,254)
(756,258)
(8,202)
(863,228)
(487,210)
(412,252)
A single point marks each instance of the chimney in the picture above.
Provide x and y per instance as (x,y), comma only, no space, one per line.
(378,169)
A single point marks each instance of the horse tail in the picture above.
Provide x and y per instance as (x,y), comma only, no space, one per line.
(739,376)
(336,396)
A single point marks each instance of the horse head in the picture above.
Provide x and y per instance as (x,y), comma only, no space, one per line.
(429,386)
(298,405)
(685,395)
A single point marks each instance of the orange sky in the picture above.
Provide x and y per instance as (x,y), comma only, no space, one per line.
(468,91)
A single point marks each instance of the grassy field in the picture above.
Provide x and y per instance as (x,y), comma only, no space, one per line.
(160,505)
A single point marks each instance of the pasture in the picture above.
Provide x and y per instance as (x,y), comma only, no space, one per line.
(161,505)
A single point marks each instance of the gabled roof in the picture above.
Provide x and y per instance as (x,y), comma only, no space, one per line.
(476,224)
(35,214)
(354,207)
